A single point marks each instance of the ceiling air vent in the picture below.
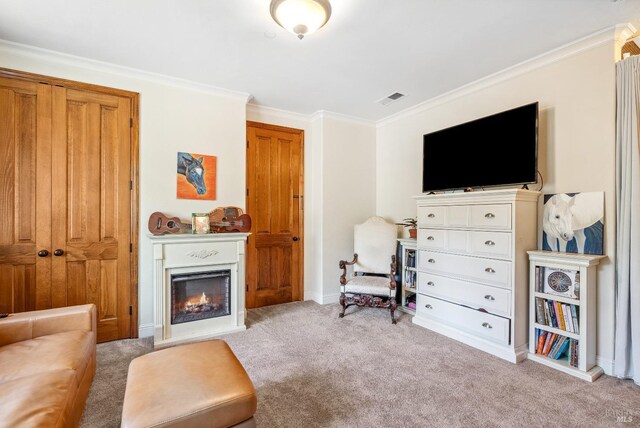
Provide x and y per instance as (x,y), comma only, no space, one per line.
(390,98)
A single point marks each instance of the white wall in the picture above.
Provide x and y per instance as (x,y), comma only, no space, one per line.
(174,116)
(348,192)
(576,147)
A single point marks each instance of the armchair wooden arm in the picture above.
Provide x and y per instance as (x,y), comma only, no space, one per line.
(343,265)
(394,266)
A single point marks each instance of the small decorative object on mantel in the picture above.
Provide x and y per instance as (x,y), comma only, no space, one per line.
(223,215)
(573,223)
(200,223)
(412,224)
(160,224)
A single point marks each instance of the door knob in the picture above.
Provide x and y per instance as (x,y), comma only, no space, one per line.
(58,252)
(43,253)
(295,238)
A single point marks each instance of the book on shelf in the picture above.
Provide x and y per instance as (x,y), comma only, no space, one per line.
(542,335)
(561,348)
(540,318)
(547,345)
(573,359)
(553,320)
(558,315)
(574,317)
(411,259)
(557,347)
(568,318)
(537,278)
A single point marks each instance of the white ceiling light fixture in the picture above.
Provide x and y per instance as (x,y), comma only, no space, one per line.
(301,17)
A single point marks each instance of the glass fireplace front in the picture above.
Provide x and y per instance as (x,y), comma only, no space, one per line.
(200,295)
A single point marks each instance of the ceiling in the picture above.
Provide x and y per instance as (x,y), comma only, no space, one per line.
(368,49)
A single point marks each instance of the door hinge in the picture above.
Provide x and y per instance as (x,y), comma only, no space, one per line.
(131,185)
(247,144)
(130,310)
(247,288)
(130,247)
(130,122)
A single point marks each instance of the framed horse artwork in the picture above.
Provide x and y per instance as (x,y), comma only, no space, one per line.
(196,175)
(573,222)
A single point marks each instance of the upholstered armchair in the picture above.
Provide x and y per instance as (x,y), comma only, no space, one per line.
(374,265)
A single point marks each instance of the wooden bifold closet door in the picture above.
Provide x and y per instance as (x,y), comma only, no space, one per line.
(66,201)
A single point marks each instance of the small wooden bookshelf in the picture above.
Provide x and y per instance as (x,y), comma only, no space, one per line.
(562,312)
(408,274)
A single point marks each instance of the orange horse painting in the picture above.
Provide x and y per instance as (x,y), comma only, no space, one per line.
(196,176)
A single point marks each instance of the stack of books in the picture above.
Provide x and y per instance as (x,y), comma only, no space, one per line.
(558,315)
(556,346)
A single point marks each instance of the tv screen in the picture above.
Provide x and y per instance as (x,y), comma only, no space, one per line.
(496,150)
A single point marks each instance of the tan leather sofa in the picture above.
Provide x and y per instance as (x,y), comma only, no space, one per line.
(47,364)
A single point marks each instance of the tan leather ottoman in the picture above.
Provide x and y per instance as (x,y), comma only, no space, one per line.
(197,385)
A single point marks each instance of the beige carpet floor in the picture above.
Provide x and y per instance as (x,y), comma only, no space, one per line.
(311,369)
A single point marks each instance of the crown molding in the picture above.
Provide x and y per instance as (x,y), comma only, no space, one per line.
(325,114)
(623,32)
(279,113)
(40,54)
(606,35)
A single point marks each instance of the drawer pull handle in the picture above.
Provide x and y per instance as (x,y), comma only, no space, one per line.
(431,261)
(490,215)
(431,215)
(489,297)
(489,243)
(430,238)
(431,284)
(490,270)
(486,325)
(428,306)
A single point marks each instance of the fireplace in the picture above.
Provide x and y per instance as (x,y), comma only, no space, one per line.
(200,295)
(199,286)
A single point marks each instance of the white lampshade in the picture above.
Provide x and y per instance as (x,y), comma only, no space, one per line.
(301,17)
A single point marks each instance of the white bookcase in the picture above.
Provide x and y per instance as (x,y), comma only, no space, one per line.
(564,271)
(409,273)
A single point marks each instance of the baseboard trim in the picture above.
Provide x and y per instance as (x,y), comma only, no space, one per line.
(605,364)
(328,299)
(316,297)
(145,330)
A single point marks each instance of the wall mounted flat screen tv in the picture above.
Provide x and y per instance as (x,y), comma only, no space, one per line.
(500,149)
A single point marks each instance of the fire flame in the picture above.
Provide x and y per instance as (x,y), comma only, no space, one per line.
(203,300)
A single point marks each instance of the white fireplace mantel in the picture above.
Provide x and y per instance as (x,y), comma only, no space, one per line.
(187,253)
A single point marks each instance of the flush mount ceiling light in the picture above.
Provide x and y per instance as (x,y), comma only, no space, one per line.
(301,17)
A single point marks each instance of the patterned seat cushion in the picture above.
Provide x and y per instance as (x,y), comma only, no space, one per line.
(374,285)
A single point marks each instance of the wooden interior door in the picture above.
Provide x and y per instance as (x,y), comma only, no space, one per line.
(68,199)
(25,200)
(275,204)
(92,206)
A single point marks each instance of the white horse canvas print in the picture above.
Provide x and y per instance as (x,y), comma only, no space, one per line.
(573,222)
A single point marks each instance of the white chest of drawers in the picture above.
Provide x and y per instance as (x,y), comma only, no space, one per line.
(473,267)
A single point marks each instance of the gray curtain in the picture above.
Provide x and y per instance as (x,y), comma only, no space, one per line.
(627,337)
